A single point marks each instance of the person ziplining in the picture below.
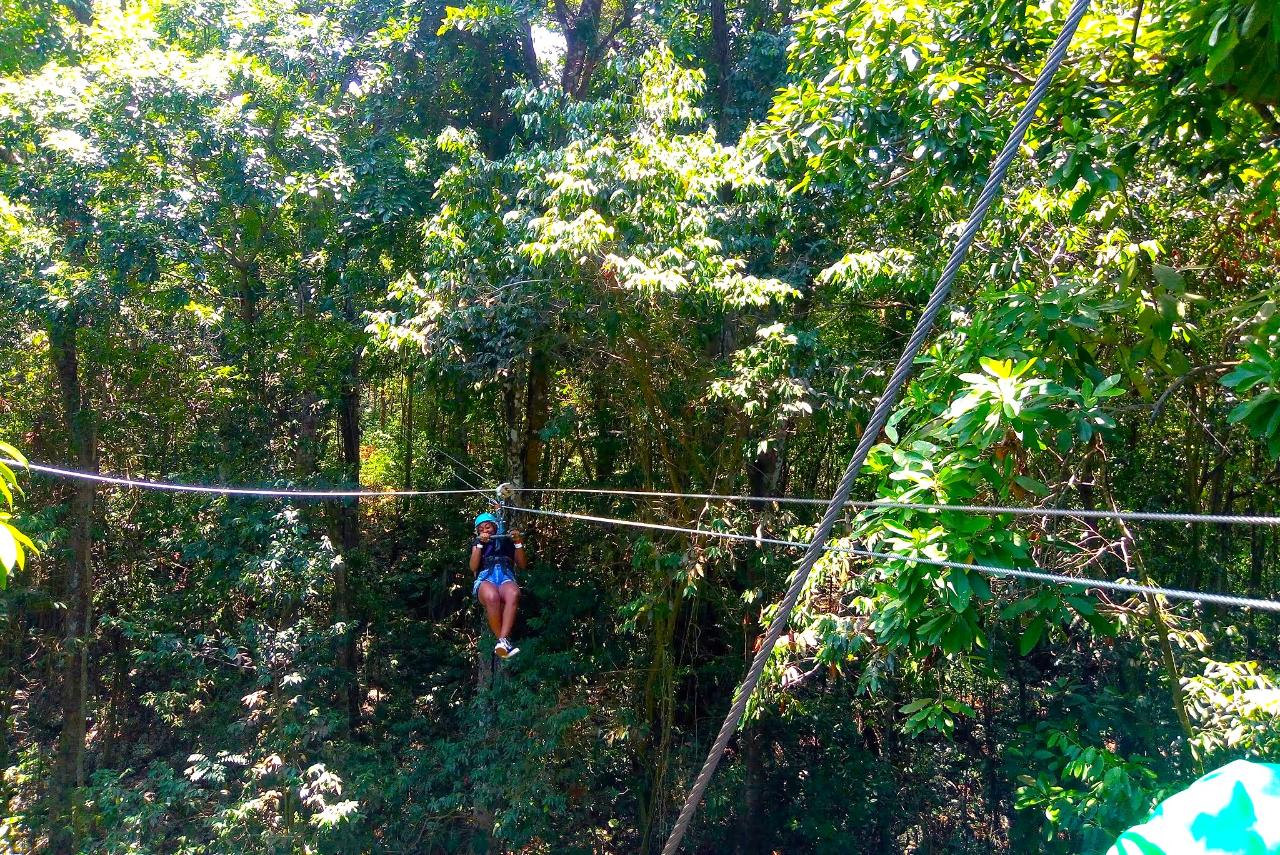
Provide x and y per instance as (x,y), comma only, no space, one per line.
(494,559)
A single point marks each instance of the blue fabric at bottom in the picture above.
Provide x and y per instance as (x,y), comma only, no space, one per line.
(498,575)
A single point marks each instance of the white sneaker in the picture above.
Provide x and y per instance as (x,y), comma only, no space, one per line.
(504,649)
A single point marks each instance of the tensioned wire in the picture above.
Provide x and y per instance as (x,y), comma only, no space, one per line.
(1038,574)
(1152,516)
(1041,575)
(1173,593)
(1223,519)
(875,424)
(176,487)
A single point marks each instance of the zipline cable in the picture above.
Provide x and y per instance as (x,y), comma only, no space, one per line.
(1039,574)
(1154,516)
(1150,516)
(879,417)
(175,487)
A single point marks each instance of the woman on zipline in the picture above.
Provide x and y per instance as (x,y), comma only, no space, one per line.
(493,559)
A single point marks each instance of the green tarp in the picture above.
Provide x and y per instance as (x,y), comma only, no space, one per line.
(1234,810)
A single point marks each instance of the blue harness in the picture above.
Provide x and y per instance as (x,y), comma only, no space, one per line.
(496,568)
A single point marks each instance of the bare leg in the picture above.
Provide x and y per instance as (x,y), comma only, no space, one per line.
(492,602)
(510,594)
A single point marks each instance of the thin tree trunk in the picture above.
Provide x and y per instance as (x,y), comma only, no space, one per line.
(309,402)
(511,419)
(721,57)
(349,537)
(1173,673)
(762,478)
(536,412)
(659,709)
(481,802)
(1257,558)
(73,656)
(408,427)
(531,69)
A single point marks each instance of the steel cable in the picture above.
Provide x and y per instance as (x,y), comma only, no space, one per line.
(876,423)
(1038,574)
(172,486)
(1150,516)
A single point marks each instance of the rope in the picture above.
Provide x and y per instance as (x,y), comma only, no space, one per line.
(876,423)
(1151,516)
(172,486)
(1038,574)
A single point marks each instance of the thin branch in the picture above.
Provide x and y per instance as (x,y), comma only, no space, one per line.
(1137,24)
(1179,382)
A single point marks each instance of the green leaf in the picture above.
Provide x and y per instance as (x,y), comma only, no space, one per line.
(998,368)
(1244,377)
(1031,636)
(961,593)
(1108,388)
(1082,605)
(1102,625)
(1220,52)
(1031,485)
(1247,409)
(959,707)
(916,706)
(10,551)
(1169,278)
(1014,610)
(1082,205)
(956,638)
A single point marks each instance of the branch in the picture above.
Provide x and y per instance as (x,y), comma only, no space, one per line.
(1268,115)
(790,683)
(1137,24)
(1009,70)
(82,11)
(1179,382)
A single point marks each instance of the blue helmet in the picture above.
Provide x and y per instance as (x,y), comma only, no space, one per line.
(488,518)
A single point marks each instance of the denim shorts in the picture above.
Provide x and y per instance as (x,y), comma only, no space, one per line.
(499,575)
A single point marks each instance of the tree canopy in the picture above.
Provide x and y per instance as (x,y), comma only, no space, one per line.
(611,247)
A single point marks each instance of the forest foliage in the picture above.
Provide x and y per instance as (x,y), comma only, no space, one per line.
(674,247)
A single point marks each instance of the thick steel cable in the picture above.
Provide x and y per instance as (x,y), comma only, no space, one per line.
(876,423)
(175,487)
(1038,574)
(1151,516)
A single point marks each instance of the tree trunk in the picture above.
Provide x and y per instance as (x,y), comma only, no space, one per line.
(511,420)
(408,427)
(721,57)
(587,41)
(309,410)
(762,477)
(536,412)
(349,537)
(73,656)
(652,752)
(481,799)
(1257,559)
(531,69)
(304,457)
